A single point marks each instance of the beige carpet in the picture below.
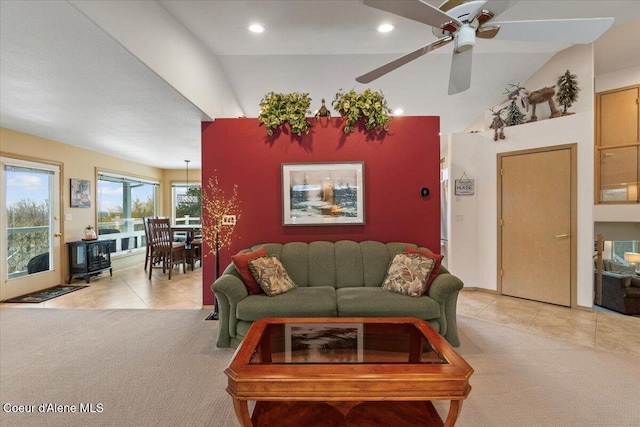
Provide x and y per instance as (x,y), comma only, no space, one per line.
(161,368)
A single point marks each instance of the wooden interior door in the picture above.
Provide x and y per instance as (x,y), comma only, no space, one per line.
(536,224)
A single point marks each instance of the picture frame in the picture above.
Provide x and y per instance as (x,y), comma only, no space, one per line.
(323,193)
(80,193)
(324,342)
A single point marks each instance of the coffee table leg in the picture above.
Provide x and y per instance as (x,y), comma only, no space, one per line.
(454,411)
(241,408)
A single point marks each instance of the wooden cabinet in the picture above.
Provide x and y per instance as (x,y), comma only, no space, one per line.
(617,151)
(87,258)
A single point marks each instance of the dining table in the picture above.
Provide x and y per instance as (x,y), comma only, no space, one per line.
(189,229)
(194,252)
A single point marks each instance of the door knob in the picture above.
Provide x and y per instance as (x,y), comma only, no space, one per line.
(57,234)
(562,236)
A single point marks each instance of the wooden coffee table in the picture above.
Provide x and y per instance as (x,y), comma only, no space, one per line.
(346,372)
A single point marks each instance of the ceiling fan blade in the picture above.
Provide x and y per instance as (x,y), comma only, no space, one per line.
(569,31)
(487,32)
(413,9)
(381,71)
(499,6)
(450,4)
(460,77)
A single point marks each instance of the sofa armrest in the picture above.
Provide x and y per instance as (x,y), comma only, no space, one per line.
(444,290)
(444,285)
(229,290)
(232,287)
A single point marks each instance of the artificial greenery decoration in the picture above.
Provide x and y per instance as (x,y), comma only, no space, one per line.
(567,90)
(368,105)
(292,108)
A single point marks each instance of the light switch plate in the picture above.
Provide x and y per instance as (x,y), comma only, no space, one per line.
(228,220)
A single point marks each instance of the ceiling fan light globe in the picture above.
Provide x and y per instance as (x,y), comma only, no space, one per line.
(465,38)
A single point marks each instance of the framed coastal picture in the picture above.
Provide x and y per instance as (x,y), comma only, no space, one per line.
(80,193)
(324,343)
(323,193)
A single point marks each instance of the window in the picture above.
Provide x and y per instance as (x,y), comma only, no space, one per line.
(186,203)
(123,202)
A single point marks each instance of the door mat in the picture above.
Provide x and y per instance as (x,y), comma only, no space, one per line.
(45,294)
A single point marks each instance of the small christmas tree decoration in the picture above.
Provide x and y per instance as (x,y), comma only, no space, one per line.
(567,91)
(514,115)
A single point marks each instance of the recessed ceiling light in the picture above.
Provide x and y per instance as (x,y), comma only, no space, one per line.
(385,28)
(398,112)
(256,28)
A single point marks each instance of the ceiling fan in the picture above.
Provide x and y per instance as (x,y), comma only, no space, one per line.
(462,21)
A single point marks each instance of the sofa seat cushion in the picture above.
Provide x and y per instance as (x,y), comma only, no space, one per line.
(376,302)
(313,301)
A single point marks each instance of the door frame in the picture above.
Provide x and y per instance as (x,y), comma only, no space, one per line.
(59,263)
(573,153)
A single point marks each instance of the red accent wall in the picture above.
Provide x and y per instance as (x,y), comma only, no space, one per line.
(396,166)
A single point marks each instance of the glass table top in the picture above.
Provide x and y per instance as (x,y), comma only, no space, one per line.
(344,343)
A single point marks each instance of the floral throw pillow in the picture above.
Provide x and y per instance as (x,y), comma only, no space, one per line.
(436,257)
(408,274)
(271,275)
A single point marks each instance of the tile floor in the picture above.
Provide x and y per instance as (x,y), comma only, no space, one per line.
(130,288)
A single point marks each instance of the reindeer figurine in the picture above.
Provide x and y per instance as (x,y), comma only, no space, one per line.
(534,98)
(497,124)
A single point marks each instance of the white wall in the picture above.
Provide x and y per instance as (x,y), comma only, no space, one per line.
(473,219)
(618,79)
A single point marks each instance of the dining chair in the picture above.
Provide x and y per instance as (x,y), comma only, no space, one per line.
(163,248)
(148,257)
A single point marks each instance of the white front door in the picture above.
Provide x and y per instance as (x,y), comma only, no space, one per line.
(31,239)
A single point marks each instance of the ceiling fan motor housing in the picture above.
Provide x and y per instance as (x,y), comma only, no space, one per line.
(465,38)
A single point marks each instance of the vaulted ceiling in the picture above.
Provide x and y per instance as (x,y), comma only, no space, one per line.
(135,79)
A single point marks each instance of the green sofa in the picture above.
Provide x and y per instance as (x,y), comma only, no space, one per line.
(334,279)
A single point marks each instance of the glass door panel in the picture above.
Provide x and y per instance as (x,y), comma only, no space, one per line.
(31,227)
(619,174)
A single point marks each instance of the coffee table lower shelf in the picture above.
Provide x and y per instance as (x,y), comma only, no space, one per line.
(345,414)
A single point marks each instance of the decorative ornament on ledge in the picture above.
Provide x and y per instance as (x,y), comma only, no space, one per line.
(276,109)
(497,124)
(514,115)
(369,105)
(323,111)
(567,91)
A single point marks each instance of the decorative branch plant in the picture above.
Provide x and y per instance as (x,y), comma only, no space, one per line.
(567,91)
(369,105)
(215,233)
(277,109)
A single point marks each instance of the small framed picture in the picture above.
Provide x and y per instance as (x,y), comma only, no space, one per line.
(80,193)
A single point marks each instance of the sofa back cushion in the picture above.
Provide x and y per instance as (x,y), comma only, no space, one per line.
(349,264)
(342,264)
(322,264)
